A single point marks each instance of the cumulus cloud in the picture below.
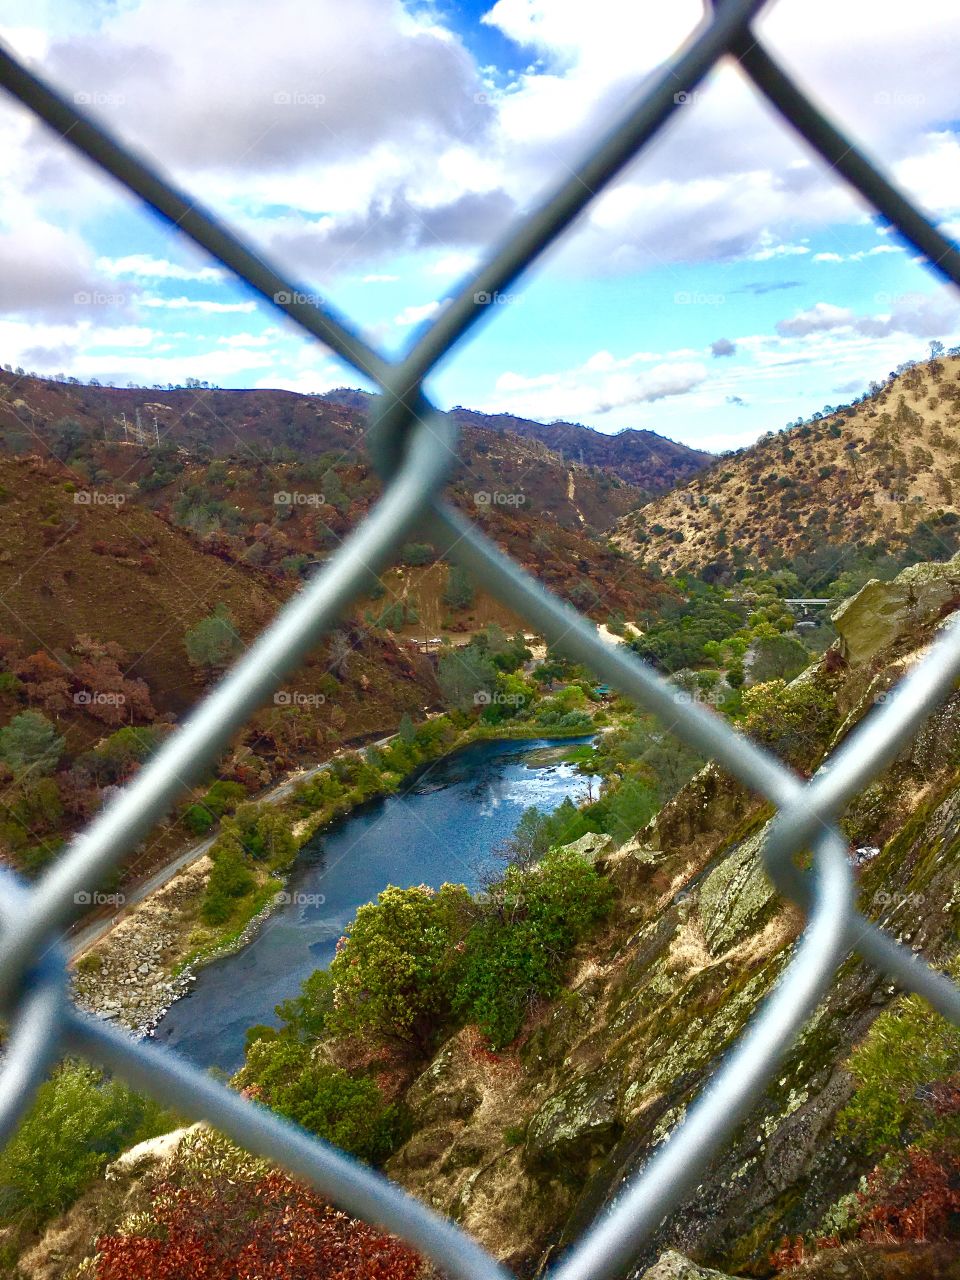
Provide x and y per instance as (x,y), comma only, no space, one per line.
(595,389)
(921,315)
(723,347)
(819,318)
(49,273)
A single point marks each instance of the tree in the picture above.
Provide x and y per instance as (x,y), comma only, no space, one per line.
(464,673)
(214,641)
(348,1111)
(30,744)
(792,720)
(77,1124)
(459,591)
(394,970)
(777,658)
(405,731)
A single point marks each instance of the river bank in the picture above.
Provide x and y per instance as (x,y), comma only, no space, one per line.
(153,955)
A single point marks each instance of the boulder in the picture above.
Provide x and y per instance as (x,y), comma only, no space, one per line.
(881,612)
(592,846)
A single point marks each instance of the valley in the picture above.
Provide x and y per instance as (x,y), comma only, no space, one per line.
(582,933)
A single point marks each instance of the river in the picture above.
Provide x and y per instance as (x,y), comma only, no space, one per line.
(442,827)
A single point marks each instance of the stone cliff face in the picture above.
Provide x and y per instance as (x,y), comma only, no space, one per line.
(526,1147)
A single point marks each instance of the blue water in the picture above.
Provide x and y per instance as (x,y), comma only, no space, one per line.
(444,827)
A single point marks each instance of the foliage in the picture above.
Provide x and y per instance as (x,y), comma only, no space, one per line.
(114,758)
(678,638)
(394,970)
(792,720)
(897,1067)
(417,553)
(222,1216)
(778,657)
(30,744)
(230,880)
(79,1121)
(463,673)
(305,1016)
(214,641)
(624,810)
(219,799)
(517,951)
(459,591)
(346,1110)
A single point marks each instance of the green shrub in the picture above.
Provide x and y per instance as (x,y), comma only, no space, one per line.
(792,720)
(346,1110)
(395,970)
(230,880)
(78,1123)
(908,1050)
(518,951)
(30,744)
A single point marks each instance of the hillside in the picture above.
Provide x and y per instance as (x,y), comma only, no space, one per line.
(642,458)
(526,1146)
(521,1118)
(257,423)
(851,485)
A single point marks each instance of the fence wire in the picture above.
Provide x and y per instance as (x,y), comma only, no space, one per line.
(414,448)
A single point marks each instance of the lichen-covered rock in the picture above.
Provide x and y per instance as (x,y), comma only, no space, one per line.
(573,1125)
(674,1266)
(593,845)
(881,612)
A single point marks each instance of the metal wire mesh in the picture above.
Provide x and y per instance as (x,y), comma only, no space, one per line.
(413,448)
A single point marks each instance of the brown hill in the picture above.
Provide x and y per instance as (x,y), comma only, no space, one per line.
(874,477)
(255,423)
(642,458)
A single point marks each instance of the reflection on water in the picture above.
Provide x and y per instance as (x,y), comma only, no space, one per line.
(444,827)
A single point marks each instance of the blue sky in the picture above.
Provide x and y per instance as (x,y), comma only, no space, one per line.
(725,285)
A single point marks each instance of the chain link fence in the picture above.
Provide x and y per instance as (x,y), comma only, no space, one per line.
(414,448)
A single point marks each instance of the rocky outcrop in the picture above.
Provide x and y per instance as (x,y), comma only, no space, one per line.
(883,612)
(546,1135)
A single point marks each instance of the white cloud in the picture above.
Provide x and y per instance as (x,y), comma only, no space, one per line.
(205,305)
(142,266)
(414,315)
(918,314)
(593,390)
(379,279)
